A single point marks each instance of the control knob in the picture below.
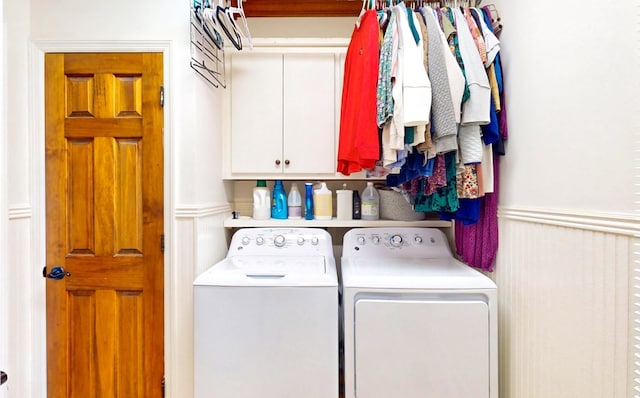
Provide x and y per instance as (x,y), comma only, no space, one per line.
(300,241)
(396,241)
(279,241)
(260,240)
(361,240)
(418,239)
(314,240)
(245,240)
(375,239)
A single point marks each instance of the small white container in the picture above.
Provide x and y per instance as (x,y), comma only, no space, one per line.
(344,202)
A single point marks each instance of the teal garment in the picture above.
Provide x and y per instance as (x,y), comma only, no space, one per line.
(412,26)
(444,199)
(409,133)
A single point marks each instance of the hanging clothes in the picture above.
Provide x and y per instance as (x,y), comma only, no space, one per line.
(439,115)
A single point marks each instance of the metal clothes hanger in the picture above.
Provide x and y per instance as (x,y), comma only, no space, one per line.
(243,28)
(228,26)
(208,24)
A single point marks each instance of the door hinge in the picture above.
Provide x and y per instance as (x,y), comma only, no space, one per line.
(162,96)
(162,243)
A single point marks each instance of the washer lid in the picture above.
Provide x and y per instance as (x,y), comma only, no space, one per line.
(270,271)
(412,273)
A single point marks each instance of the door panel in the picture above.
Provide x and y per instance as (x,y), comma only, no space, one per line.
(419,348)
(309,113)
(256,113)
(104,224)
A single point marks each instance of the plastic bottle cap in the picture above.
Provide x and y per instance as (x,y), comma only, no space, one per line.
(261,183)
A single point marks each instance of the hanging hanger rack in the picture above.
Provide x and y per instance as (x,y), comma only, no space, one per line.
(207,45)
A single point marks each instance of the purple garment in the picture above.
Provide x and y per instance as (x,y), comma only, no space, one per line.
(477,244)
(504,128)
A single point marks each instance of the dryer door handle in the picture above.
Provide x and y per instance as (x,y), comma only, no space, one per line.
(266,276)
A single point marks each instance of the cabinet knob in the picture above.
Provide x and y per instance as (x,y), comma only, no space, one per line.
(277,162)
(287,162)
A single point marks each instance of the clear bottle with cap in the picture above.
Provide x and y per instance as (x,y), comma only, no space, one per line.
(322,203)
(261,201)
(370,203)
(294,203)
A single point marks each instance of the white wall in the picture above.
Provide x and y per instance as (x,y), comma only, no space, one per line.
(568,216)
(572,103)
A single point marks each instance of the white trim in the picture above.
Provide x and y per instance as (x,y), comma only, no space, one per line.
(18,212)
(280,42)
(633,385)
(4,227)
(196,211)
(37,51)
(620,224)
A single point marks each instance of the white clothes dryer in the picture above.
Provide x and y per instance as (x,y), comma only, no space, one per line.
(417,322)
(266,317)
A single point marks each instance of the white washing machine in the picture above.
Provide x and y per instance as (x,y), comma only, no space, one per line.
(417,322)
(266,318)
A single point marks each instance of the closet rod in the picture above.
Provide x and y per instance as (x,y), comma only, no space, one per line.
(446,3)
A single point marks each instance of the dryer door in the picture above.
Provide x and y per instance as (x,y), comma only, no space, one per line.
(421,348)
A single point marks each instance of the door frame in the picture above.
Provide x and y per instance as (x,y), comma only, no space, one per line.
(4,224)
(37,52)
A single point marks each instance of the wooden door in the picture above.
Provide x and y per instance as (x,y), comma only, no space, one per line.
(104,193)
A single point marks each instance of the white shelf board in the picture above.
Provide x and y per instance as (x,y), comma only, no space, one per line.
(248,222)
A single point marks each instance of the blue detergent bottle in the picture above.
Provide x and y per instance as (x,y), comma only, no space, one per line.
(308,201)
(279,203)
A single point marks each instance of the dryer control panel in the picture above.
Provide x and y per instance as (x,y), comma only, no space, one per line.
(396,242)
(293,241)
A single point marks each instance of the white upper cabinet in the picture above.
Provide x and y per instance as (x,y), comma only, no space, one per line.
(283,111)
(309,114)
(256,113)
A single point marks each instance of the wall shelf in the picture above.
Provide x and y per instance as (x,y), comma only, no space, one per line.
(248,222)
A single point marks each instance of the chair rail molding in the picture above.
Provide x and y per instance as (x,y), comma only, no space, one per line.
(615,223)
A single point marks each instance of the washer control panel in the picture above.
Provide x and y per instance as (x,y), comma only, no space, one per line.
(299,241)
(407,242)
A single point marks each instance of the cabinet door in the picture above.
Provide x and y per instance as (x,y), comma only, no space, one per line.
(256,113)
(309,113)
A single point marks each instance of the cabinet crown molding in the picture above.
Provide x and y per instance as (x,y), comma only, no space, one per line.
(301,42)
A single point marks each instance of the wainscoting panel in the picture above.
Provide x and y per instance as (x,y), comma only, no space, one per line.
(21,286)
(634,340)
(200,241)
(564,298)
